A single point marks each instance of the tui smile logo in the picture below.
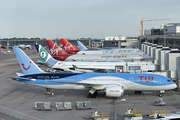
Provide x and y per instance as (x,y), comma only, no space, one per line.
(27,67)
(81,47)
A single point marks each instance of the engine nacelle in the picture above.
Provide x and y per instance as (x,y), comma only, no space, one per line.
(114,91)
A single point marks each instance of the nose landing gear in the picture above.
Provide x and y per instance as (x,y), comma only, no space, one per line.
(48,92)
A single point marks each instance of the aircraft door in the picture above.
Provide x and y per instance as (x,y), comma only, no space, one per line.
(80,79)
(47,78)
(89,65)
(131,82)
(119,69)
(158,81)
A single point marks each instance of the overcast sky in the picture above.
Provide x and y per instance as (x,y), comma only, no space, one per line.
(83,18)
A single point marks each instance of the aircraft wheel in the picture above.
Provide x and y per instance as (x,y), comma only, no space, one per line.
(89,95)
(94,95)
(160,95)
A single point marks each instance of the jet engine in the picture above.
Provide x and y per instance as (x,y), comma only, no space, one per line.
(114,91)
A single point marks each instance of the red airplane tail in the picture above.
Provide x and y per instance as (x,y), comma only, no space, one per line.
(56,52)
(68,47)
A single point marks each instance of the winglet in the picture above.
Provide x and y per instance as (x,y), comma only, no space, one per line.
(81,46)
(26,64)
(74,66)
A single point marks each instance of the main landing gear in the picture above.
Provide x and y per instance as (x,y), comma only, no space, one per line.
(161,93)
(92,93)
(48,92)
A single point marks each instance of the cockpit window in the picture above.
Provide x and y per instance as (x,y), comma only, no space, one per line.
(169,80)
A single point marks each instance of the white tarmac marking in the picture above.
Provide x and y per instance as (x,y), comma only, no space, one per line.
(20,113)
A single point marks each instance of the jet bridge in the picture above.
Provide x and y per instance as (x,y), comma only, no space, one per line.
(119,69)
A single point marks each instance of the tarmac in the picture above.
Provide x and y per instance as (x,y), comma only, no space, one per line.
(17,99)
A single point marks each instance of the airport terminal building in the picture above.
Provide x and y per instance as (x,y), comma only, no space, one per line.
(161,44)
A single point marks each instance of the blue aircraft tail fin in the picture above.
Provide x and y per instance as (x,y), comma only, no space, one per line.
(81,46)
(26,64)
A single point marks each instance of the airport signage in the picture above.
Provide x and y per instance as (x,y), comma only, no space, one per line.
(134,67)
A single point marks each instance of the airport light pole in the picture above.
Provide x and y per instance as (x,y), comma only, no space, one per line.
(8,45)
(115,114)
(90,41)
(165,38)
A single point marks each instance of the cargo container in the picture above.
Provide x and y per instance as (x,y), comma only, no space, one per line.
(42,105)
(63,105)
(83,104)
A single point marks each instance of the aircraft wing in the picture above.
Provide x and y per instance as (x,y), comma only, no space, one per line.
(74,71)
(97,86)
(42,63)
(22,78)
(76,83)
(89,70)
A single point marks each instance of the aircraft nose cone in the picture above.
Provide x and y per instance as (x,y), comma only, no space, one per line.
(175,86)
